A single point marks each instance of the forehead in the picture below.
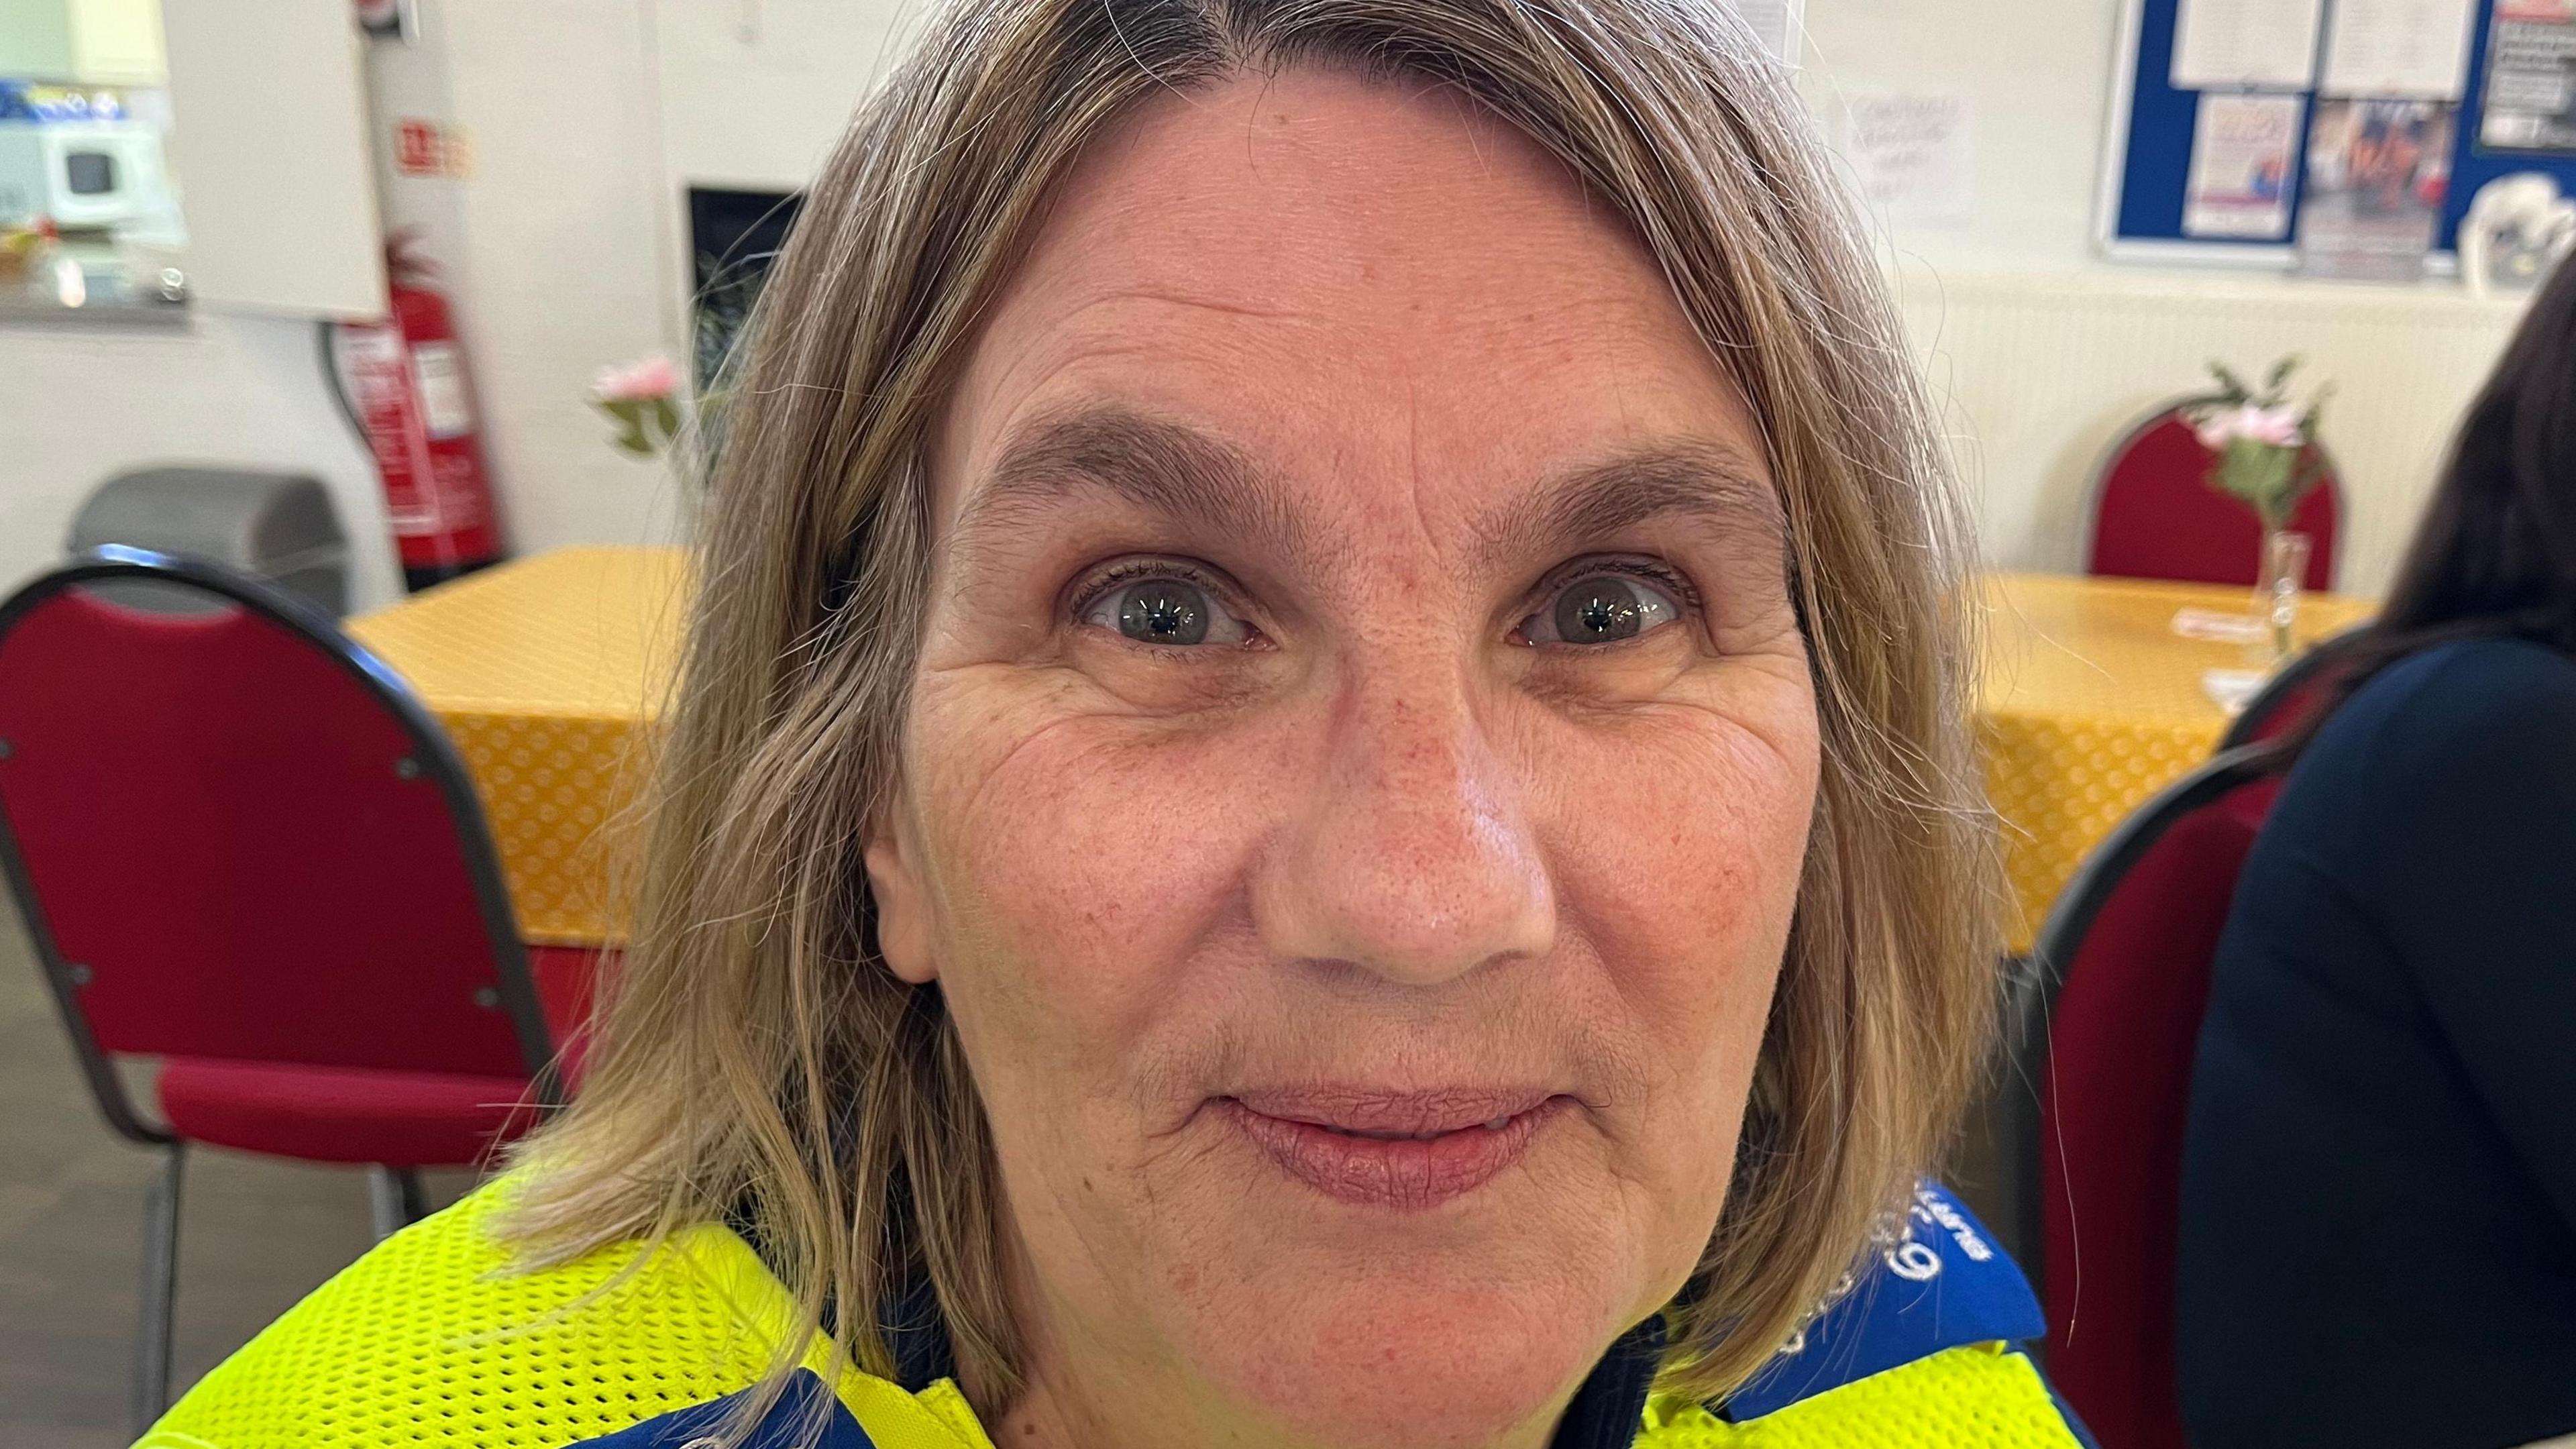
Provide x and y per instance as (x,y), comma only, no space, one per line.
(1342,278)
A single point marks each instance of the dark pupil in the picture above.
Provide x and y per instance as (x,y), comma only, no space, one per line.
(1161,611)
(1596,610)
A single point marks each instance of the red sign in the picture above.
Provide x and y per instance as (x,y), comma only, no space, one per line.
(427,148)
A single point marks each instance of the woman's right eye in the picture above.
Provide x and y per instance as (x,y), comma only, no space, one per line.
(1165,611)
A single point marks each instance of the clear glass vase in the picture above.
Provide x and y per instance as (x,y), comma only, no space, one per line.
(2276,588)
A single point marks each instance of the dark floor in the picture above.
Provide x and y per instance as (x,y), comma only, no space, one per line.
(255,1235)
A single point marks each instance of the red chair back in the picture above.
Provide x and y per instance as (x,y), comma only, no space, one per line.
(2109,1039)
(2156,517)
(235,835)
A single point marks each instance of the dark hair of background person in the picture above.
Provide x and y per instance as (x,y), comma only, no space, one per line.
(2495,556)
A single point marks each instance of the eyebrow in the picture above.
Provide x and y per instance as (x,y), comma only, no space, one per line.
(1709,481)
(1160,467)
(1179,472)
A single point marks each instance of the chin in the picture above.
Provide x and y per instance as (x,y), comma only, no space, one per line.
(1410,1355)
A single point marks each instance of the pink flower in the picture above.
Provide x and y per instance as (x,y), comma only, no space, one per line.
(648,377)
(2276,427)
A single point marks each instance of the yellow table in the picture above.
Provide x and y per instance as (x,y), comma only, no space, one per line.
(2091,704)
(548,672)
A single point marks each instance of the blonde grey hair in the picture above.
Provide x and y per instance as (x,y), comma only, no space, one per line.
(757,1061)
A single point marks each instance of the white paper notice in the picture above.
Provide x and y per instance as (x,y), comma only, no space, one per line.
(2417,48)
(2241,152)
(1778,22)
(2248,43)
(1914,156)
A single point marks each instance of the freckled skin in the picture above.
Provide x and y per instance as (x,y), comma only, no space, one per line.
(1390,844)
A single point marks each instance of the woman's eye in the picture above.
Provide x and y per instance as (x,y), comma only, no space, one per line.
(1600,608)
(1172,612)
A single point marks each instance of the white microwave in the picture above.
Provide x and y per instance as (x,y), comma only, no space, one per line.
(80,173)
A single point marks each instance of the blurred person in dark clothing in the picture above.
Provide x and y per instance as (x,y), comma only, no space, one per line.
(2379,1189)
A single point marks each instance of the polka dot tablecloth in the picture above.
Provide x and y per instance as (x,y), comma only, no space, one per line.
(2092,703)
(549,672)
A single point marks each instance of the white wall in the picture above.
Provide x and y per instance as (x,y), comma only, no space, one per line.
(754,95)
(555,258)
(78,406)
(2046,352)
(566,250)
(2042,351)
(570,266)
(2043,371)
(590,118)
(2038,74)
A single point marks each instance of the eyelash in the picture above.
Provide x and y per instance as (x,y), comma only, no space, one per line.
(1088,588)
(1653,571)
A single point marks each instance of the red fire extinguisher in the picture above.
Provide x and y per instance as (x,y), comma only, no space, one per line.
(403,381)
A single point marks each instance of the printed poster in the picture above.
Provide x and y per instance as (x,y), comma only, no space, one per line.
(2245,43)
(2530,100)
(1914,156)
(2398,48)
(2242,149)
(2372,200)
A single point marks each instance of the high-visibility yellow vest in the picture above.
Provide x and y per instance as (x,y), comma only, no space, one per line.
(433,1339)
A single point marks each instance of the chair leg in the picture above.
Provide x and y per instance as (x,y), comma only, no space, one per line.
(415,1194)
(160,1290)
(396,1198)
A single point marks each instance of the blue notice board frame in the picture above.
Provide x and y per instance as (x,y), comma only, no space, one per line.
(2146,165)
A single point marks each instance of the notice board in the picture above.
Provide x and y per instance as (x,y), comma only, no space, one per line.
(2147,172)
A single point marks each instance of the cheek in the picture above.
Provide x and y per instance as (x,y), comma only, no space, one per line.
(1079,862)
(1676,850)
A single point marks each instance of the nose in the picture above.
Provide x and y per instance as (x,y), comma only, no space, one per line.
(1412,857)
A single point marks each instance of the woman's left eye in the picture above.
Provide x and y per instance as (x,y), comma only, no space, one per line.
(1165,610)
(1599,608)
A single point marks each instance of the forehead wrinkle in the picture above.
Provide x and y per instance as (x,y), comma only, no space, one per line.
(1707,480)
(1159,467)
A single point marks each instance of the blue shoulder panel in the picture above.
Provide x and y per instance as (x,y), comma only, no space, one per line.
(789,1424)
(1941,1282)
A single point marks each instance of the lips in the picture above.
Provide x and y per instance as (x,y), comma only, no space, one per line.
(1407,1152)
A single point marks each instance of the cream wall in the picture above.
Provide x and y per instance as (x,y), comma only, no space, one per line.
(2045,352)
(2037,72)
(78,406)
(754,95)
(2042,370)
(570,266)
(555,258)
(590,117)
(2041,351)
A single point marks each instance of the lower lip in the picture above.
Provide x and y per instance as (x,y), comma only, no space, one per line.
(1405,1175)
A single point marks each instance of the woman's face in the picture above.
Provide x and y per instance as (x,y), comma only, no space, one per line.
(1357,775)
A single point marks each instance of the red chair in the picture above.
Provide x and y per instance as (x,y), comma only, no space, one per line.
(2304,685)
(2108,1026)
(243,848)
(2156,517)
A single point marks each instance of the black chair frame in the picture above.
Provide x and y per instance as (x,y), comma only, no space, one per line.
(2031,996)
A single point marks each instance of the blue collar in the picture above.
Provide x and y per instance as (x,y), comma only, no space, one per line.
(1938,1282)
